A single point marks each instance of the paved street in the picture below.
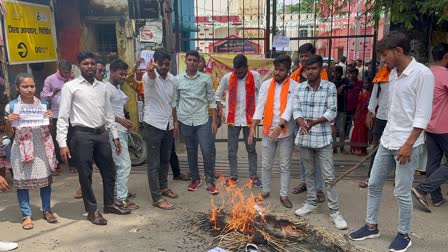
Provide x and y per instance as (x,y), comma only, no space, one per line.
(151,229)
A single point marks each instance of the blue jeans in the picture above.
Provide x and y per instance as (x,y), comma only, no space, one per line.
(122,165)
(318,174)
(194,136)
(23,197)
(385,161)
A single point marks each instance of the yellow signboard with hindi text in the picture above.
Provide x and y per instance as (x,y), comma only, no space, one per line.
(30,33)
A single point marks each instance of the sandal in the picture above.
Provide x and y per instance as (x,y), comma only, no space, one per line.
(299,189)
(27,223)
(170,194)
(50,217)
(163,204)
(363,184)
(78,194)
(421,199)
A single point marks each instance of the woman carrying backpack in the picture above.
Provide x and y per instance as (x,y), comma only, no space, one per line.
(32,153)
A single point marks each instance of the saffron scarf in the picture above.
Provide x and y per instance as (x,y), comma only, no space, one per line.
(250,98)
(269,106)
(382,75)
(24,137)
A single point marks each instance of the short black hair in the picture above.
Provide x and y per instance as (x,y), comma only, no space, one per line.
(439,51)
(314,59)
(343,59)
(100,62)
(393,40)
(118,64)
(307,47)
(339,69)
(353,70)
(359,60)
(85,55)
(64,64)
(239,61)
(192,53)
(283,59)
(161,54)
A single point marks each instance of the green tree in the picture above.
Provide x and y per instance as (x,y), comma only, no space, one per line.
(303,6)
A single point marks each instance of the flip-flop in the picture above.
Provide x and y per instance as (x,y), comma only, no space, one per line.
(421,200)
(163,204)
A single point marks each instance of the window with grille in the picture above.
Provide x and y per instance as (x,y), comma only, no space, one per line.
(106,38)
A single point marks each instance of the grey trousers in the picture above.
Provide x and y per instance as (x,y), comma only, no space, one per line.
(324,158)
(284,146)
(232,148)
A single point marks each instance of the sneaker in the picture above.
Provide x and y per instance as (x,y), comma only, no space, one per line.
(195,184)
(364,233)
(212,188)
(231,181)
(400,244)
(7,246)
(338,220)
(306,209)
(256,182)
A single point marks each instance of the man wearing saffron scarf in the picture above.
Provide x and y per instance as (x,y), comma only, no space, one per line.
(52,93)
(241,86)
(305,51)
(274,111)
(315,106)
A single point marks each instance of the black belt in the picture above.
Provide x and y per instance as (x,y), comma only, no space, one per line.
(98,130)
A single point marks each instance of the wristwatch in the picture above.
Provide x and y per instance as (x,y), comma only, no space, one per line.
(282,126)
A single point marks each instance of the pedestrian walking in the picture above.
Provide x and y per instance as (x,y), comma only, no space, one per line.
(411,93)
(85,101)
(32,153)
(436,134)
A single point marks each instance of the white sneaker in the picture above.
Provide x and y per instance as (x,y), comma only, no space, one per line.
(305,209)
(338,220)
(7,246)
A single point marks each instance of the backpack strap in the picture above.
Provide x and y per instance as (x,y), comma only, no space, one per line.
(11,105)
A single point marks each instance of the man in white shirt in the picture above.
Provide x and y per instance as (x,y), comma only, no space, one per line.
(274,111)
(160,125)
(342,63)
(411,87)
(378,111)
(118,99)
(86,103)
(242,85)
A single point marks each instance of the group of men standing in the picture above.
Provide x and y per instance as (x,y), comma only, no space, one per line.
(301,106)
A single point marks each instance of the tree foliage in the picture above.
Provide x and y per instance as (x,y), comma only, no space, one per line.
(302,7)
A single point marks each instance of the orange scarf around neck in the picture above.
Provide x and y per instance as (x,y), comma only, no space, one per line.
(382,76)
(269,106)
(250,97)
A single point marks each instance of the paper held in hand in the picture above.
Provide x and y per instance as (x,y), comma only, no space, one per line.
(31,115)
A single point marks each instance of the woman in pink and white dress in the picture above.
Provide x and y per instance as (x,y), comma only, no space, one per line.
(32,153)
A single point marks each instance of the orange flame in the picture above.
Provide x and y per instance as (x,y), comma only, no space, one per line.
(243,210)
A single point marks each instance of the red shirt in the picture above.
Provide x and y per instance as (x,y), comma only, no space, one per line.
(439,118)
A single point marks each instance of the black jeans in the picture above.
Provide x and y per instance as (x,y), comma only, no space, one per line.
(55,143)
(436,174)
(174,161)
(159,143)
(378,129)
(86,148)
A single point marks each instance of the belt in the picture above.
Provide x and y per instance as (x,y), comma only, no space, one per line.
(98,130)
